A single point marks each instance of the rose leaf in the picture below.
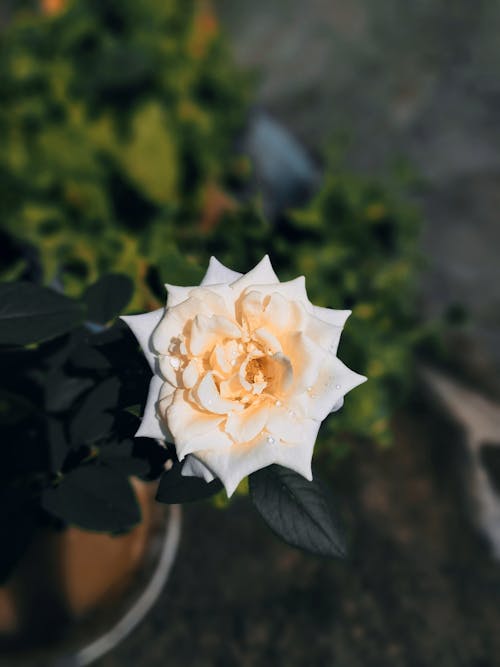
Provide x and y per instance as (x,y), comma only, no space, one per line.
(107,298)
(93,419)
(174,488)
(95,498)
(298,511)
(32,314)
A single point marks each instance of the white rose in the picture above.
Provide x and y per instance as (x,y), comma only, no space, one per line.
(245,370)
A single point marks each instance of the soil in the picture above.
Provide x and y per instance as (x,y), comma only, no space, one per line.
(419,588)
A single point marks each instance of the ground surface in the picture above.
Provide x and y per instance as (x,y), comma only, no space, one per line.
(419,589)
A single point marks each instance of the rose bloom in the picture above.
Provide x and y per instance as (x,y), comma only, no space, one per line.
(245,369)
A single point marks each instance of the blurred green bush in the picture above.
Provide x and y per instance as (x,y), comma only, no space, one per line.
(111,114)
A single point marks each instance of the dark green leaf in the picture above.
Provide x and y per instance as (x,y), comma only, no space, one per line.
(120,457)
(87,357)
(95,498)
(62,390)
(58,445)
(298,511)
(93,419)
(107,298)
(175,489)
(31,314)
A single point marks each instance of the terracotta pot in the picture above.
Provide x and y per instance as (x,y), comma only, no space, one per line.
(71,583)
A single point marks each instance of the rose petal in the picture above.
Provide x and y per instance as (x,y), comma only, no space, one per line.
(207,331)
(331,316)
(233,388)
(233,464)
(174,324)
(333,382)
(208,440)
(151,426)
(291,290)
(261,274)
(246,425)
(169,367)
(284,426)
(176,294)
(186,422)
(207,396)
(306,358)
(193,467)
(216,299)
(268,341)
(142,327)
(298,456)
(326,335)
(218,273)
(282,374)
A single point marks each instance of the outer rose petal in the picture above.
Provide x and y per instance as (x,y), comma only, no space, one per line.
(331,316)
(193,467)
(292,290)
(218,273)
(176,294)
(186,422)
(326,335)
(306,357)
(233,464)
(151,426)
(261,274)
(334,381)
(298,456)
(211,439)
(142,327)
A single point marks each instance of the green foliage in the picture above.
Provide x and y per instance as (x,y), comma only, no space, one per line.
(66,448)
(300,512)
(111,114)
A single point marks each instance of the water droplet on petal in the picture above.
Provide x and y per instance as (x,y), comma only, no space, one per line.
(270,440)
(278,404)
(175,362)
(337,386)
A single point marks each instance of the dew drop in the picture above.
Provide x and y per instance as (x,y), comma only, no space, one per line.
(278,404)
(175,362)
(270,440)
(337,386)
